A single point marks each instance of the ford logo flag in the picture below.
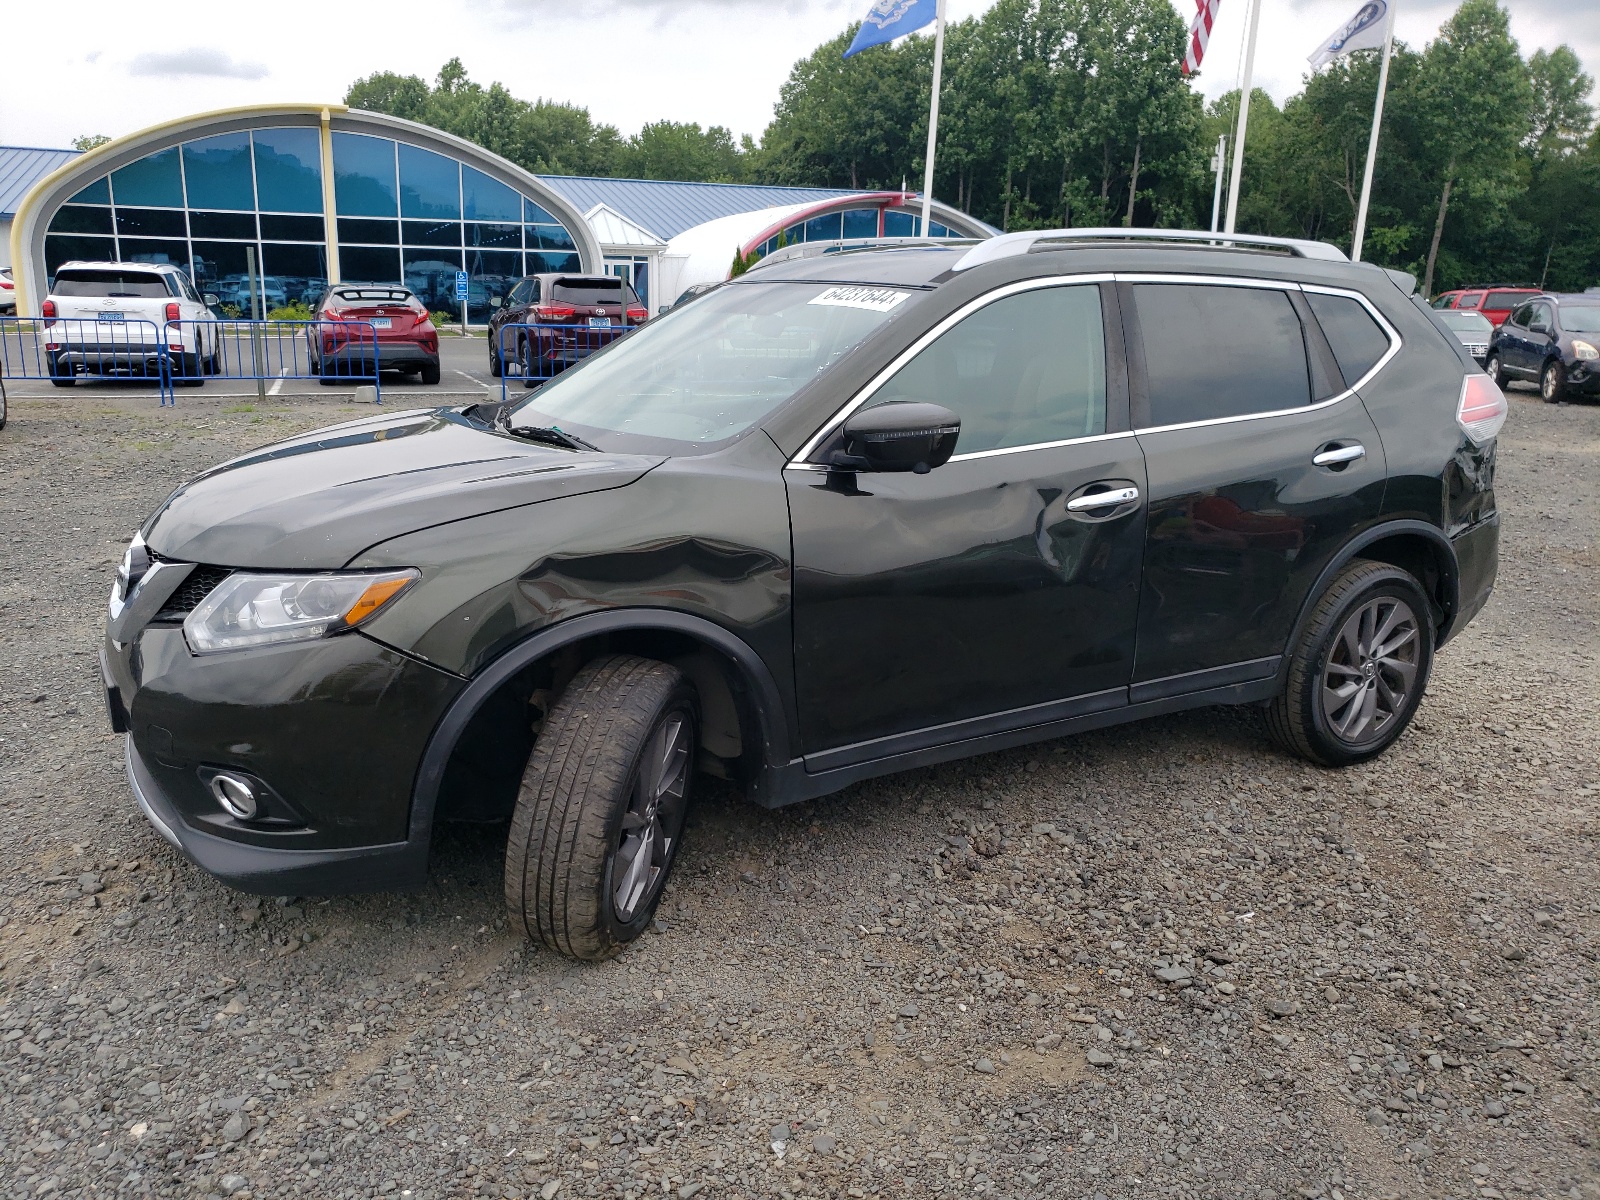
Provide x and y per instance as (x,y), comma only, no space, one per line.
(1364,31)
(889,19)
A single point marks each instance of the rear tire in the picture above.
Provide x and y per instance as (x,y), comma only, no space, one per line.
(430,373)
(1553,382)
(1359,670)
(599,818)
(495,366)
(1495,371)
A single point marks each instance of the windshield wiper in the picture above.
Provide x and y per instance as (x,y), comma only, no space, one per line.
(543,433)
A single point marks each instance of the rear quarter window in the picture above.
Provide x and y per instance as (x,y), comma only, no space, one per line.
(1505,299)
(1357,341)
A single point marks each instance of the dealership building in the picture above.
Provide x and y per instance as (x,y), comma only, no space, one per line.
(295,197)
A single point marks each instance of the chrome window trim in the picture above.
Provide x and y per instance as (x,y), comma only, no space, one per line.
(871,387)
(1388,330)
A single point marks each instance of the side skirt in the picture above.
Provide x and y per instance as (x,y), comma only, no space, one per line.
(792,783)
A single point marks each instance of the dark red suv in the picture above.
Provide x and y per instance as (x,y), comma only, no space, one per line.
(549,322)
(1493,302)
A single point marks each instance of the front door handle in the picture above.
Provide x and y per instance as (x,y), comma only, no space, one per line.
(1107,499)
(1339,455)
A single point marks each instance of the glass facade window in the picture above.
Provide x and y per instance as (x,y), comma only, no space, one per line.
(404,213)
(78,218)
(369,264)
(430,184)
(98,192)
(860,222)
(363,176)
(151,222)
(829,227)
(486,199)
(277,228)
(154,181)
(240,226)
(380,233)
(217,172)
(289,170)
(431,233)
(431,274)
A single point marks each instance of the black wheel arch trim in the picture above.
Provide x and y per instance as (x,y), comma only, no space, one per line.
(1449,581)
(757,695)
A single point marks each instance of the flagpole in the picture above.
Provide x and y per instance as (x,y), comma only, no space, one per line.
(1372,139)
(1244,116)
(1220,159)
(933,115)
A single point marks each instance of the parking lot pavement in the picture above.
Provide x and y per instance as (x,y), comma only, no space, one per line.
(1159,960)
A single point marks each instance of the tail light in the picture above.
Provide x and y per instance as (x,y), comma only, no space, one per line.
(551,312)
(48,311)
(637,314)
(173,313)
(1482,410)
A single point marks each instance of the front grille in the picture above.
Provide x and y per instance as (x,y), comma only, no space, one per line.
(194,589)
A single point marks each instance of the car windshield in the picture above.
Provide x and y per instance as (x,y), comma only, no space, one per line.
(714,368)
(587,291)
(1580,318)
(109,283)
(1466,322)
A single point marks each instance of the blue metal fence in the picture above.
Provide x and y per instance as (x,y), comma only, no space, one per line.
(538,353)
(333,352)
(66,349)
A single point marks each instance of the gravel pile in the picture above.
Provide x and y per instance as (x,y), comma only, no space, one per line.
(1162,960)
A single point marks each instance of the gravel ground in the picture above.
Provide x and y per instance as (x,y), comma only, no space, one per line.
(1162,960)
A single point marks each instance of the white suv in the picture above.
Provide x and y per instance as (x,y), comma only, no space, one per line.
(111,319)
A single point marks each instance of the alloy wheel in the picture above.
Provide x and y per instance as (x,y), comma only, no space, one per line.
(1548,385)
(1372,670)
(654,818)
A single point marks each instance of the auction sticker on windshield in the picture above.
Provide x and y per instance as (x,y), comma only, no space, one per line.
(875,299)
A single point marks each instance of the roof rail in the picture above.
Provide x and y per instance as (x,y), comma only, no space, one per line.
(1008,244)
(841,245)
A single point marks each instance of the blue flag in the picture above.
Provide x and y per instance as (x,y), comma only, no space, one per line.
(889,19)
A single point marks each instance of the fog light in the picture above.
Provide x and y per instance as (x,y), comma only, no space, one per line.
(237,796)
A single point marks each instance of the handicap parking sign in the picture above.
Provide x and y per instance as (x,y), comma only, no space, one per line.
(461,285)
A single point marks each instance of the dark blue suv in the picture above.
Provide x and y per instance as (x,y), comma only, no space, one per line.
(1553,340)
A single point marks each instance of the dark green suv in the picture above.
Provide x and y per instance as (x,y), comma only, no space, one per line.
(845,515)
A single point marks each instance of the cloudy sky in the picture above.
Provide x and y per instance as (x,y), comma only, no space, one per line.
(629,61)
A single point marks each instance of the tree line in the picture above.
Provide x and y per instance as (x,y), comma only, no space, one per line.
(1076,113)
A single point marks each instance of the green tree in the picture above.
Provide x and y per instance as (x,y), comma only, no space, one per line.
(88,141)
(674,150)
(1475,105)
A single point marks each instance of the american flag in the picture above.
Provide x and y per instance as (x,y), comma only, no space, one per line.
(1199,34)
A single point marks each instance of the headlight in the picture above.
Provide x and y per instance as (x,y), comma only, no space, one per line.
(260,610)
(1584,350)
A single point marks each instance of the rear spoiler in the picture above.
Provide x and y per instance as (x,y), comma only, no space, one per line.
(1404,280)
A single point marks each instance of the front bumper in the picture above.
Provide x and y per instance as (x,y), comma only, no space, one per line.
(333,731)
(1583,377)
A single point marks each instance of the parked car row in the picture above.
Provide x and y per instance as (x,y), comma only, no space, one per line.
(1495,303)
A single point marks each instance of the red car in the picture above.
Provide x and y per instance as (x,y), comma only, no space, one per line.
(567,318)
(406,340)
(1495,303)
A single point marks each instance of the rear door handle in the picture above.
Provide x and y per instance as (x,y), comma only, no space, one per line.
(1339,455)
(1108,499)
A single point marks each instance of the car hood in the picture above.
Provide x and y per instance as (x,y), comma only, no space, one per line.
(315,502)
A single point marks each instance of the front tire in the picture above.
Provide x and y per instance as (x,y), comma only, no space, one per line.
(1359,670)
(1553,382)
(599,818)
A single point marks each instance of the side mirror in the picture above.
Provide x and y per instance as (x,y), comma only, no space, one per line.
(900,436)
(211,299)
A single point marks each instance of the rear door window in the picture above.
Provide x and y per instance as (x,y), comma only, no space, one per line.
(132,284)
(1028,369)
(1470,300)
(1213,351)
(1358,342)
